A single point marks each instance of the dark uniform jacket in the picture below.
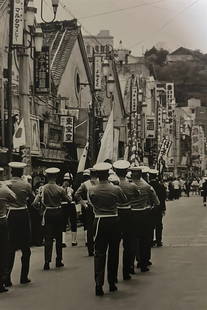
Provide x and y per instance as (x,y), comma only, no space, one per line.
(105,198)
(161,193)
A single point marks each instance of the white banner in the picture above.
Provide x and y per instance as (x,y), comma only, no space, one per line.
(134,99)
(116,144)
(19,138)
(35,136)
(97,72)
(18,22)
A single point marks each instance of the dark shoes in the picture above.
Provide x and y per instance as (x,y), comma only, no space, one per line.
(64,245)
(59,264)
(149,263)
(99,291)
(74,243)
(3,289)
(112,288)
(46,266)
(127,277)
(144,269)
(25,281)
(159,244)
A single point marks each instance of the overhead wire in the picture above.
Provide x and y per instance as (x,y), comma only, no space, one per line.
(168,22)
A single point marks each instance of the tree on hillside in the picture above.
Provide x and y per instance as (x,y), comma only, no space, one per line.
(156,56)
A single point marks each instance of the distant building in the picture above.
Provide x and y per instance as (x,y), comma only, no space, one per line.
(180,54)
(194,103)
(98,42)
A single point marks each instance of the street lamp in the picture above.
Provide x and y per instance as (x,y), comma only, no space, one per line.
(55,4)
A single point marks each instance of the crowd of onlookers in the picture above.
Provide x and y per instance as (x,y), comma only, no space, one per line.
(178,187)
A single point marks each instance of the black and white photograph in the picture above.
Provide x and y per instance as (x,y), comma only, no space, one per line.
(103,154)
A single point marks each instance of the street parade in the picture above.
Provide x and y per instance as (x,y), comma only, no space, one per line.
(103,154)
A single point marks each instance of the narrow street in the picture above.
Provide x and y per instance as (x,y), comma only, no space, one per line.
(177,280)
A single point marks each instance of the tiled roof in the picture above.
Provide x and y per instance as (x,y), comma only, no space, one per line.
(61,38)
(2,2)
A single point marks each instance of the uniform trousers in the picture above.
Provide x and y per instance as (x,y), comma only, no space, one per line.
(107,238)
(141,236)
(3,249)
(53,230)
(19,238)
(89,218)
(70,213)
(125,216)
(158,226)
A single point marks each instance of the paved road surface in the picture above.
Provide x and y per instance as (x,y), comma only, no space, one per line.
(177,280)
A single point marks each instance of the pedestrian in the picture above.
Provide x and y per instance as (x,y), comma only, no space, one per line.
(82,197)
(195,186)
(141,209)
(51,196)
(177,187)
(170,189)
(125,214)
(6,196)
(19,223)
(159,211)
(105,197)
(69,209)
(204,191)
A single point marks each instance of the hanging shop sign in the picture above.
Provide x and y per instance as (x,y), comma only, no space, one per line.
(150,127)
(68,123)
(42,71)
(97,72)
(18,22)
(134,99)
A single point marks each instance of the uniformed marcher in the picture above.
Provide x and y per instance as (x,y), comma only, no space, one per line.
(82,197)
(105,198)
(69,211)
(160,209)
(6,196)
(124,211)
(19,222)
(51,196)
(141,216)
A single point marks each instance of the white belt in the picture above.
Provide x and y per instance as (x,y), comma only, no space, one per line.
(17,209)
(48,208)
(2,217)
(146,208)
(105,215)
(120,208)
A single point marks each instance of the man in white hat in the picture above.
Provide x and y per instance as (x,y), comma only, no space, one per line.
(19,222)
(6,196)
(105,197)
(141,216)
(69,210)
(51,196)
(132,193)
(82,197)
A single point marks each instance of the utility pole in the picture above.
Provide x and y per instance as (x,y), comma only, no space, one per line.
(9,82)
(24,92)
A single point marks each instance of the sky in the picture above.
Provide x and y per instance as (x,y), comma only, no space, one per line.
(140,24)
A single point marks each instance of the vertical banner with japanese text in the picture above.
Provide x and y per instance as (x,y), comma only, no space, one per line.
(97,72)
(42,71)
(18,22)
(68,123)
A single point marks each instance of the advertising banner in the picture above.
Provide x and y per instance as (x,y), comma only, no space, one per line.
(18,22)
(42,71)
(97,72)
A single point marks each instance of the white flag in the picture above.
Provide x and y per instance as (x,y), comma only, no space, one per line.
(107,141)
(82,162)
(19,138)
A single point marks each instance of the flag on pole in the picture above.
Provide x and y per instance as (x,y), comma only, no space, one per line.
(19,138)
(82,162)
(107,141)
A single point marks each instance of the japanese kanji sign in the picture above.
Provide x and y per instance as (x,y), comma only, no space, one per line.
(42,71)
